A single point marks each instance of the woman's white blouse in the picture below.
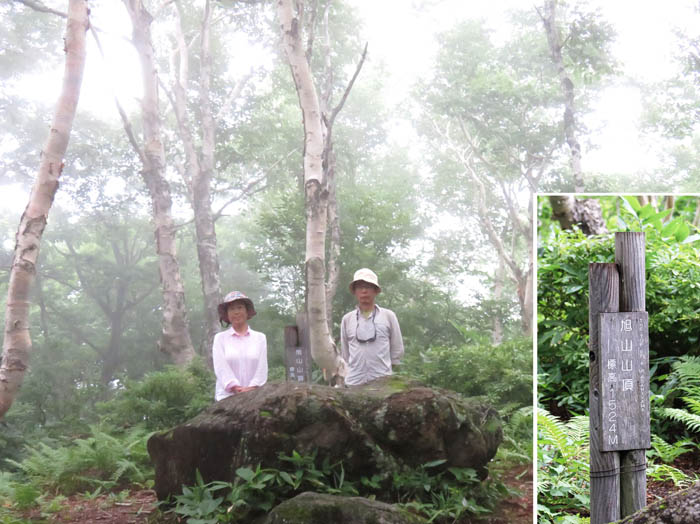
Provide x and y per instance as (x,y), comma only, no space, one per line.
(239,360)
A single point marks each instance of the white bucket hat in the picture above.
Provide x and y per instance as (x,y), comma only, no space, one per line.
(365,275)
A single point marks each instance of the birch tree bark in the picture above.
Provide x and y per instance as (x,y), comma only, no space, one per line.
(175,338)
(17,342)
(199,168)
(322,348)
(329,115)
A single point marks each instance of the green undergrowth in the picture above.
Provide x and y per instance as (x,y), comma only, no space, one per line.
(438,494)
(563,467)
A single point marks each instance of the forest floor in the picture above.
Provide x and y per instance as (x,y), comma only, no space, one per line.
(688,463)
(517,509)
(139,507)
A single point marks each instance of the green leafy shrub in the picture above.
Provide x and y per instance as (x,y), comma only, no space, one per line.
(686,378)
(162,399)
(672,300)
(501,373)
(99,460)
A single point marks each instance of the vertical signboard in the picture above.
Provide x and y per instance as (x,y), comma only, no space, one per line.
(298,364)
(624,379)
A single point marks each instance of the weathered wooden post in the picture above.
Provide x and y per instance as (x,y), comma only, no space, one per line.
(630,258)
(603,296)
(619,381)
(297,357)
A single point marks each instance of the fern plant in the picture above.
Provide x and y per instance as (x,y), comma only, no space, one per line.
(686,373)
(563,470)
(98,460)
(517,437)
(667,453)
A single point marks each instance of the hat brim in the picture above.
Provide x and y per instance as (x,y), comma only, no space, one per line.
(223,307)
(352,285)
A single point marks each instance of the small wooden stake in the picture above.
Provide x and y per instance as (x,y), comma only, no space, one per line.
(603,282)
(629,255)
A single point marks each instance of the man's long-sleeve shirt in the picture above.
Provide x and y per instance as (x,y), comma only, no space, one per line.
(373,358)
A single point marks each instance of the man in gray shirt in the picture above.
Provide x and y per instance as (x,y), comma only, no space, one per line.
(370,336)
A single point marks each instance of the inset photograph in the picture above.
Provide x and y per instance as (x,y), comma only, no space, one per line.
(618,356)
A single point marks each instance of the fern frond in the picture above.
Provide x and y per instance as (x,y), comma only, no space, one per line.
(553,431)
(693,403)
(687,370)
(578,429)
(691,420)
(666,452)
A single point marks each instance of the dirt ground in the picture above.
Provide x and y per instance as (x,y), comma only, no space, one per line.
(137,508)
(515,510)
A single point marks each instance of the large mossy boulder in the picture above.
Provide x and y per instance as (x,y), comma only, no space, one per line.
(377,428)
(682,507)
(316,508)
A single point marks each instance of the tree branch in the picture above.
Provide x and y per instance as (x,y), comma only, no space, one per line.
(75,330)
(38,6)
(122,114)
(234,94)
(250,189)
(337,108)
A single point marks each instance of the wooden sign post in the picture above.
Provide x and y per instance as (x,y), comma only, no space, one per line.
(297,358)
(618,381)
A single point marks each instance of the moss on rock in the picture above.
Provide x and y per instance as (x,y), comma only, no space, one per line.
(378,428)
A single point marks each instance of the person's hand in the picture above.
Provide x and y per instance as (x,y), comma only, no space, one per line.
(241,389)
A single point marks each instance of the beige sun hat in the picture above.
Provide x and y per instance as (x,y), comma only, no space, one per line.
(235,296)
(365,275)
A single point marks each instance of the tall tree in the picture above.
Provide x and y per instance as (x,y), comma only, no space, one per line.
(579,48)
(491,141)
(323,350)
(199,165)
(108,271)
(329,114)
(175,337)
(554,39)
(17,341)
(671,123)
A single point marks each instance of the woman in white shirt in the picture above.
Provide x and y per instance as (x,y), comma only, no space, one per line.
(239,353)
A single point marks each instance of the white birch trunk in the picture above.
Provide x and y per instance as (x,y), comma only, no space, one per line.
(201,194)
(17,342)
(175,338)
(197,173)
(316,195)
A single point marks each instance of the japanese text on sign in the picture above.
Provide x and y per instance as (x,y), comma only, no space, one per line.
(624,381)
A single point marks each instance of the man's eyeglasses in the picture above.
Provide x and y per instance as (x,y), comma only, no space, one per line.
(363,332)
